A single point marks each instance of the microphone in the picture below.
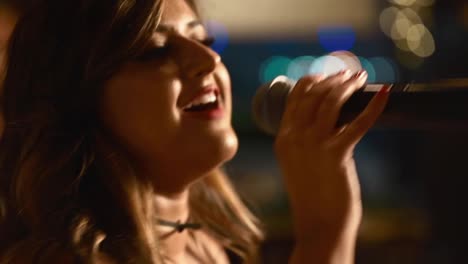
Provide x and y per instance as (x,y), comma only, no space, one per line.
(438,105)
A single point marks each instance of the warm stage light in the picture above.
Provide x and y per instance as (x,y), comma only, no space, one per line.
(387,19)
(420,41)
(404,25)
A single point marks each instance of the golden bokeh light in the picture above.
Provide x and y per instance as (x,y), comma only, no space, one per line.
(387,19)
(420,41)
(400,26)
(413,2)
(402,44)
(415,34)
(404,24)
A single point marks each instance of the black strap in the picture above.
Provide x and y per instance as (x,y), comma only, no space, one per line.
(178,226)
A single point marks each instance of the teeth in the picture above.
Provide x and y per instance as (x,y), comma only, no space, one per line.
(205,99)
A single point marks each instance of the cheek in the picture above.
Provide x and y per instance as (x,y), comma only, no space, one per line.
(139,112)
(223,76)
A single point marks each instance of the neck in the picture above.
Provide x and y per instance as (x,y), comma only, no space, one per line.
(171,203)
(174,207)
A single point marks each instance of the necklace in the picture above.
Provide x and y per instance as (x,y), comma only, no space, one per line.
(179,227)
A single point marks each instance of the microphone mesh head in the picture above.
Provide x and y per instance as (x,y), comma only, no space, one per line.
(269,104)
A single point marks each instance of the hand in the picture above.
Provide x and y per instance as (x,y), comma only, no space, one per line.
(316,157)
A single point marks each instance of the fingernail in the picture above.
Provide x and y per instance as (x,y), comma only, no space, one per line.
(345,72)
(385,89)
(360,74)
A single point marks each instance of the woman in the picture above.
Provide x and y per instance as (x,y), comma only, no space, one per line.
(118,122)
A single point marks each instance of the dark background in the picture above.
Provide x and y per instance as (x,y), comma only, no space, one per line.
(413,180)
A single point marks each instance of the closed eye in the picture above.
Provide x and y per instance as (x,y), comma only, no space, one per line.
(158,52)
(153,53)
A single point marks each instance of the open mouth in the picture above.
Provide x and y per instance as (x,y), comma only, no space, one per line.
(205,102)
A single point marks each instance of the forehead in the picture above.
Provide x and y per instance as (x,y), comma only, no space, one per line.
(177,12)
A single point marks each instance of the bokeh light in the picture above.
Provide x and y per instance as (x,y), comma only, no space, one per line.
(369,68)
(404,20)
(221,35)
(299,67)
(336,38)
(402,44)
(327,65)
(387,19)
(379,69)
(406,28)
(350,60)
(420,41)
(273,67)
(413,2)
(385,69)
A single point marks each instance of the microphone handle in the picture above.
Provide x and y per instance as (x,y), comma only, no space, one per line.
(415,106)
(438,105)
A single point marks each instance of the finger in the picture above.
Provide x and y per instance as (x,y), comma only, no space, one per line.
(329,111)
(294,98)
(306,113)
(359,127)
(307,106)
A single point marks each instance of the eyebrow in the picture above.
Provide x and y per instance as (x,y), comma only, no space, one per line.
(167,28)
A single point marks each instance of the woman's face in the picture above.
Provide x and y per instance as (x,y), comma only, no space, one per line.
(171,109)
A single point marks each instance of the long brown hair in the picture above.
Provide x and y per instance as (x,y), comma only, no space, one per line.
(65,188)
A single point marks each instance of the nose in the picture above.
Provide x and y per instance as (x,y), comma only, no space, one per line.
(196,59)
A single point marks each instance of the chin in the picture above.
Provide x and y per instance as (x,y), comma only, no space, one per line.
(230,146)
(213,153)
(223,149)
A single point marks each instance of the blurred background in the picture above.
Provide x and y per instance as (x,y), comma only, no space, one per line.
(413,180)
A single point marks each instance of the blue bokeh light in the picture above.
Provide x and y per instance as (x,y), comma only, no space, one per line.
(221,35)
(337,38)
